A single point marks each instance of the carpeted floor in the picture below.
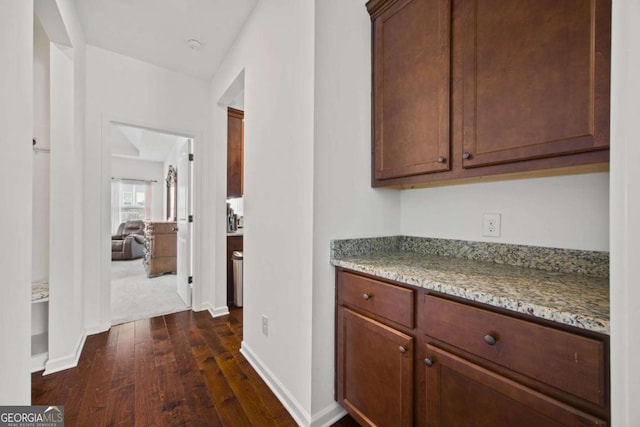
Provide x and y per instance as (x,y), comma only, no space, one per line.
(134,296)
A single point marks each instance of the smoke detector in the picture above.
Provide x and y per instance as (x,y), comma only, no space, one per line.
(194,44)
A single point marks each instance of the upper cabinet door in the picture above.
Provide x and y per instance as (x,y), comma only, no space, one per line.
(535,79)
(235,153)
(411,85)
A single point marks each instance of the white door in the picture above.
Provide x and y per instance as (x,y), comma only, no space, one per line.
(184,225)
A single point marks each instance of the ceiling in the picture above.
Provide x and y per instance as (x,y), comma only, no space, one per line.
(157,31)
(143,144)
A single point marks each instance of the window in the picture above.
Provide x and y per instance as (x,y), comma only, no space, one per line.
(129,201)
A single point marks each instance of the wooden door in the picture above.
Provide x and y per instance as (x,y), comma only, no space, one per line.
(461,393)
(535,79)
(235,153)
(411,75)
(374,371)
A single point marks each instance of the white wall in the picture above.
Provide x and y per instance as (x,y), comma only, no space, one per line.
(625,215)
(561,212)
(133,92)
(16,122)
(67,72)
(275,49)
(345,205)
(146,170)
(41,130)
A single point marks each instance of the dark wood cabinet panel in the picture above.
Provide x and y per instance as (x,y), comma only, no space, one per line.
(572,363)
(375,371)
(535,78)
(423,358)
(234,243)
(465,90)
(459,393)
(235,153)
(411,87)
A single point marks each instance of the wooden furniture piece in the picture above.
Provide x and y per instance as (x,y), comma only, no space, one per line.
(234,243)
(464,89)
(161,247)
(235,153)
(408,356)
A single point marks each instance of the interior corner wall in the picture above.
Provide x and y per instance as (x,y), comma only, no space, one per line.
(345,205)
(562,212)
(16,122)
(133,92)
(275,49)
(41,172)
(625,215)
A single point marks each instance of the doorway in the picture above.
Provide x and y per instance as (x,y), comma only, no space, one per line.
(151,228)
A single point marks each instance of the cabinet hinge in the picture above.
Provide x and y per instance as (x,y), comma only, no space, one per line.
(190,279)
(190,157)
(190,218)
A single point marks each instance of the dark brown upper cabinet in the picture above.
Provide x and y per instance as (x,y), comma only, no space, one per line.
(235,153)
(471,89)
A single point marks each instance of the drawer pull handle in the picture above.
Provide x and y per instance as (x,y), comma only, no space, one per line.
(402,349)
(428,361)
(490,339)
(367,296)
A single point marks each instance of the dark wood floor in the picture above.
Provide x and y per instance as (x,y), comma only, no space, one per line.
(182,369)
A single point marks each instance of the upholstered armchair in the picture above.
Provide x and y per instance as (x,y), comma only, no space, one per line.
(128,242)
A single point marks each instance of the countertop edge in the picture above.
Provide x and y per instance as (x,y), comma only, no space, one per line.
(519,306)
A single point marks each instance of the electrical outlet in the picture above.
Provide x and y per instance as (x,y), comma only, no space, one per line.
(265,325)
(491,225)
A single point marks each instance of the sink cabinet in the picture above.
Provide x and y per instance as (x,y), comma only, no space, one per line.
(408,356)
(467,89)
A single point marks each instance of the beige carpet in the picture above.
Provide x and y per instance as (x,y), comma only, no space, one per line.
(134,296)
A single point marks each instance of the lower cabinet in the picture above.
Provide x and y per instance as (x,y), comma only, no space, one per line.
(406,356)
(459,391)
(375,371)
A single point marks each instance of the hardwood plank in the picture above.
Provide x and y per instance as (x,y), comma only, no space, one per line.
(226,402)
(179,369)
(199,402)
(148,409)
(142,330)
(123,372)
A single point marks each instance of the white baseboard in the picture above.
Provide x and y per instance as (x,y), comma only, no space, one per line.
(38,362)
(218,311)
(324,417)
(298,413)
(66,362)
(328,415)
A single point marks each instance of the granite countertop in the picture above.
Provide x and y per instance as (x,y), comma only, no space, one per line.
(569,298)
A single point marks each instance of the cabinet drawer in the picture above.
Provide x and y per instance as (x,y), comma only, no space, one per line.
(391,302)
(564,360)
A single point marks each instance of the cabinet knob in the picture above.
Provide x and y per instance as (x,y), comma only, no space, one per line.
(490,339)
(466,155)
(402,349)
(428,361)
(174,229)
(366,296)
(441,159)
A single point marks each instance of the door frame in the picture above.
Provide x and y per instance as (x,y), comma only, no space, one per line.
(105,211)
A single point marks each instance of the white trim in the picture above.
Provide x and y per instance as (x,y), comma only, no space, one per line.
(294,408)
(61,363)
(217,311)
(38,361)
(104,279)
(328,415)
